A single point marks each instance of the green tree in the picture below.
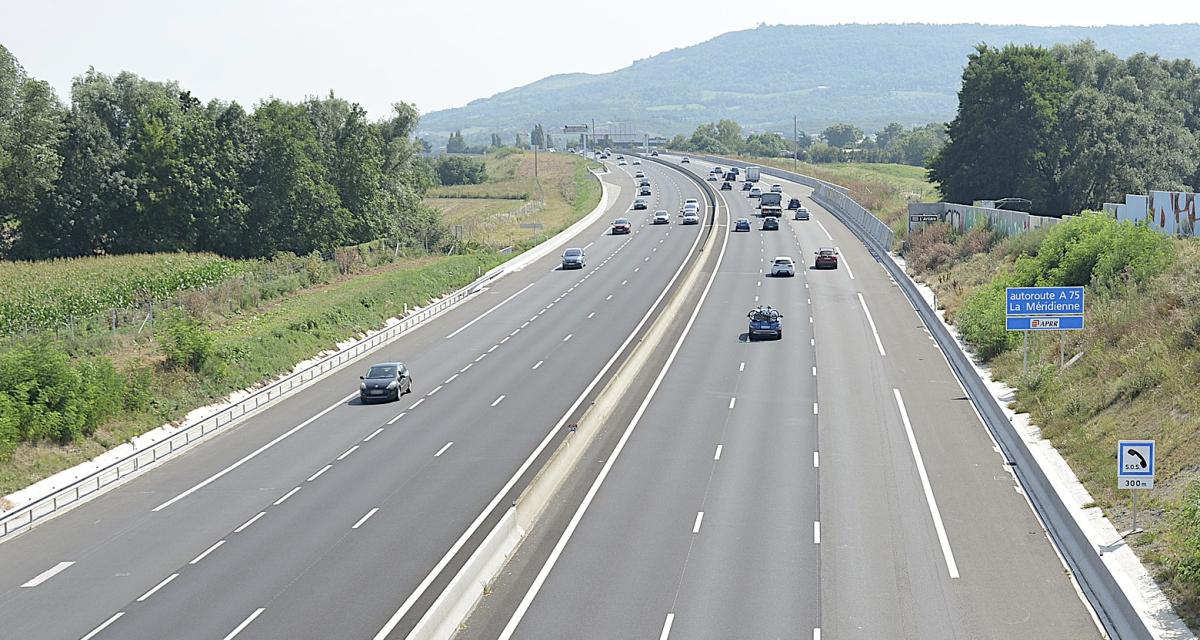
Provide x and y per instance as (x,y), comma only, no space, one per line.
(886,135)
(842,136)
(1000,141)
(295,207)
(453,170)
(456,144)
(32,126)
(537,137)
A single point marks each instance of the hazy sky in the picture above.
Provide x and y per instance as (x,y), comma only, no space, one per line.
(443,53)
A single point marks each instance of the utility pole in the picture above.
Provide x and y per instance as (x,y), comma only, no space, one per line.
(796,143)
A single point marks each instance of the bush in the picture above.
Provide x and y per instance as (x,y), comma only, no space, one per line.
(44,394)
(1096,248)
(185,343)
(980,320)
(453,170)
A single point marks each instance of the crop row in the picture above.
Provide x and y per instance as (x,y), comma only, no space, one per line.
(43,295)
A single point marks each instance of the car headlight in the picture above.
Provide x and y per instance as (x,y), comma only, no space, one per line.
(362,386)
(392,384)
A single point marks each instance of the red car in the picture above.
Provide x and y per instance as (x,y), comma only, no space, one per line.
(827,258)
(621,225)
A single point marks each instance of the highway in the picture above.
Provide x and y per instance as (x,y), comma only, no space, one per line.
(836,483)
(324,518)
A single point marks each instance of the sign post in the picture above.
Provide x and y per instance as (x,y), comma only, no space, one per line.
(1043,309)
(1135,471)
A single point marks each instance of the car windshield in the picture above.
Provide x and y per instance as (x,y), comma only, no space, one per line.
(382,371)
(621,221)
(573,253)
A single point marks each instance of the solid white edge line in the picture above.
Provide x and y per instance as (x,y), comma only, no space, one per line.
(285,497)
(458,544)
(666,630)
(158,586)
(365,518)
(47,574)
(485,313)
(373,434)
(207,551)
(699,519)
(245,623)
(951,566)
(250,456)
(347,452)
(871,321)
(845,263)
(544,572)
(249,522)
(717,454)
(823,229)
(443,449)
(103,626)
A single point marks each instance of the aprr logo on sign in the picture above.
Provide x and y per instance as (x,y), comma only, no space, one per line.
(1043,323)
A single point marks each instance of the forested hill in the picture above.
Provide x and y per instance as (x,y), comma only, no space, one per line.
(868,75)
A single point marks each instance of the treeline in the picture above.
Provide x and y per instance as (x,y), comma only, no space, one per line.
(1071,127)
(837,143)
(537,137)
(133,165)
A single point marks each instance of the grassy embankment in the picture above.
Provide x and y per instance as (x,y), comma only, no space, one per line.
(72,385)
(884,189)
(491,214)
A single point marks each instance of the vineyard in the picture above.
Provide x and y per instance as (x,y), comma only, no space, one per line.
(46,295)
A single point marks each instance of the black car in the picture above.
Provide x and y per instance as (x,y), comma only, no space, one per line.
(384,381)
(746,186)
(770,224)
(727,186)
(742,224)
(644,191)
(794,203)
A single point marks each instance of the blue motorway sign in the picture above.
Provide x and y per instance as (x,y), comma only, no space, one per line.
(1043,301)
(1044,323)
(1135,464)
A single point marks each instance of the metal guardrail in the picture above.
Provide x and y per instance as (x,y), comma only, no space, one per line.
(1114,611)
(24,517)
(829,195)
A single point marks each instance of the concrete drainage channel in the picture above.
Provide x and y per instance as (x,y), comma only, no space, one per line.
(456,601)
(108,477)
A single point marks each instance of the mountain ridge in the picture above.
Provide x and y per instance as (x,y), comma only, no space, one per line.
(867,75)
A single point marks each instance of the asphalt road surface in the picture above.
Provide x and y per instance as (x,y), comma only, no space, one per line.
(324,518)
(836,483)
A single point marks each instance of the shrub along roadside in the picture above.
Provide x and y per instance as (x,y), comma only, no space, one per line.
(1136,377)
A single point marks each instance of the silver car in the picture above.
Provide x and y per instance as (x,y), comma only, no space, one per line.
(573,258)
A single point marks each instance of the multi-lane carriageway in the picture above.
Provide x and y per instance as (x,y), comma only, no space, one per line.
(834,482)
